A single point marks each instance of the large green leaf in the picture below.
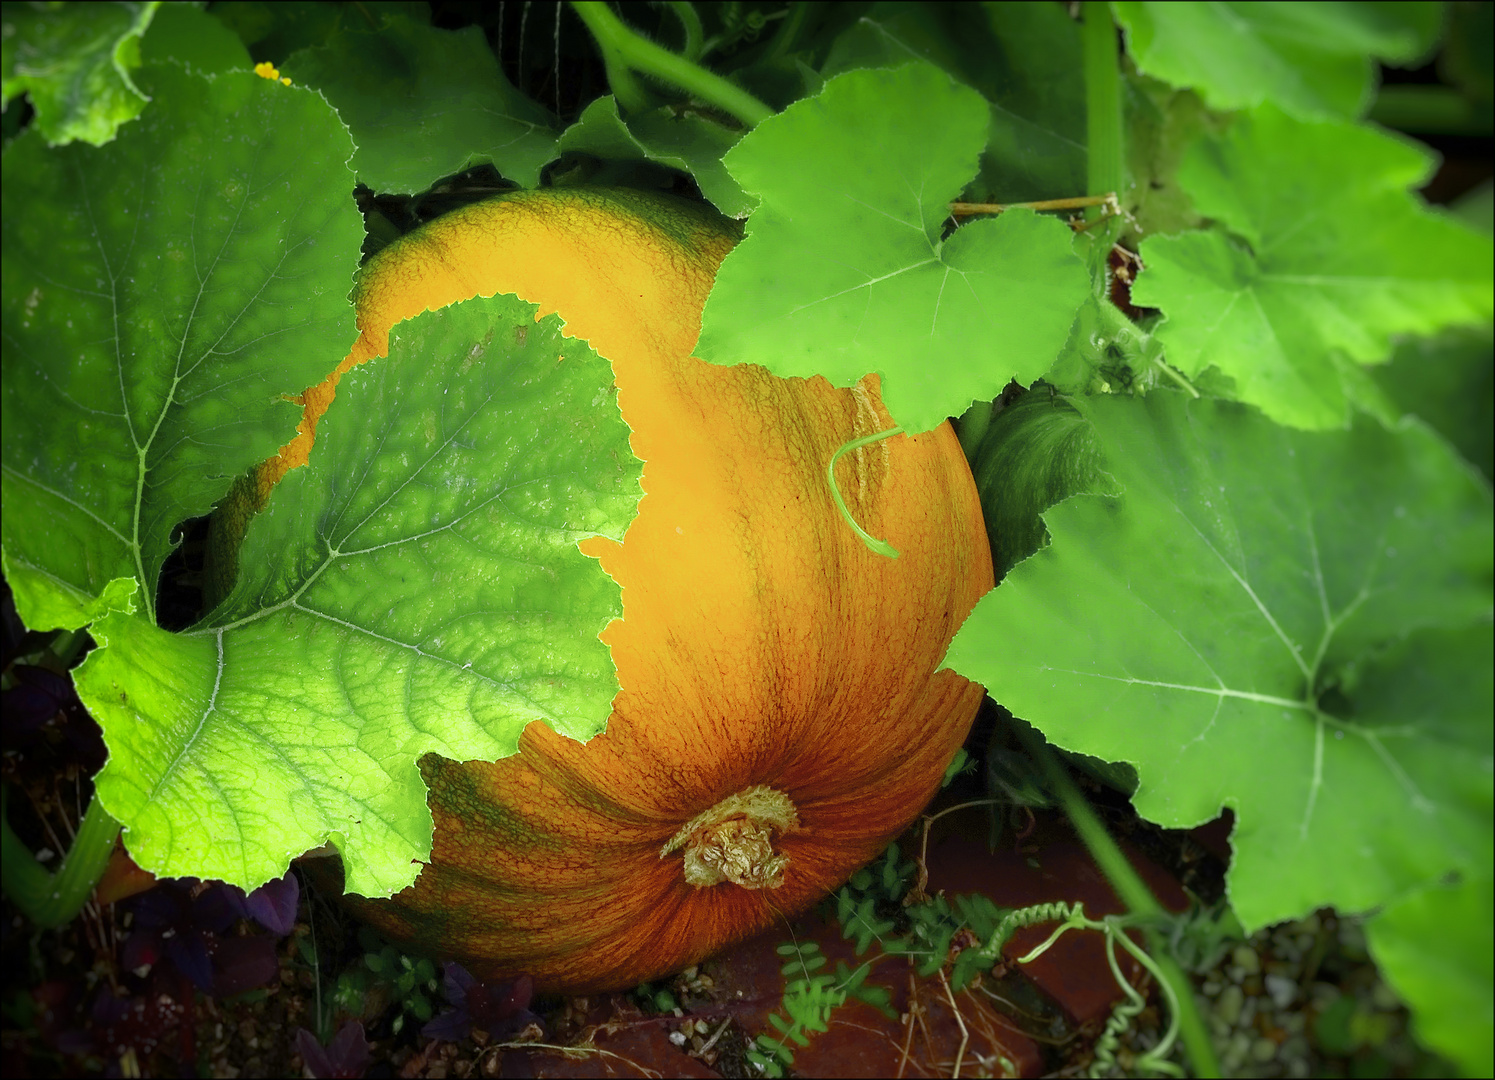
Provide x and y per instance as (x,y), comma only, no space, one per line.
(1290,624)
(1037,451)
(1449,381)
(160,293)
(424,103)
(1437,949)
(1314,60)
(843,270)
(1022,58)
(189,35)
(1321,257)
(416,588)
(75,62)
(671,137)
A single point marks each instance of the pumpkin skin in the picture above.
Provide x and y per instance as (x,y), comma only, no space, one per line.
(762,645)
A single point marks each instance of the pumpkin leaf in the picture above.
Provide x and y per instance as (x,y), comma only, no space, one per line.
(75,62)
(676,138)
(1317,261)
(160,293)
(843,271)
(1314,664)
(416,588)
(1314,60)
(189,35)
(1020,57)
(1435,948)
(424,103)
(1449,381)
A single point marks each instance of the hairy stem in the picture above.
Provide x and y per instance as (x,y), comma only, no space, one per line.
(691,23)
(625,52)
(611,37)
(48,899)
(1105,169)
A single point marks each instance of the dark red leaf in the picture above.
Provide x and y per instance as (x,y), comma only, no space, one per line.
(242,963)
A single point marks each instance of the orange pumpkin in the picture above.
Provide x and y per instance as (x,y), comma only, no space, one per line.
(781,716)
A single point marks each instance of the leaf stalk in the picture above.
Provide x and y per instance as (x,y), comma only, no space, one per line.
(47,899)
(1105,170)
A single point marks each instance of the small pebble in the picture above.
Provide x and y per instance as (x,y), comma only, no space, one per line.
(1228,1006)
(1235,1052)
(1324,994)
(1282,989)
(1263,1049)
(1248,1013)
(1246,959)
(1295,1047)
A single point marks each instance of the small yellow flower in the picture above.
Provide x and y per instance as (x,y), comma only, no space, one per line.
(266,70)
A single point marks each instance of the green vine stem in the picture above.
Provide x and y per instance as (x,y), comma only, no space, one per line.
(625,52)
(1137,898)
(1105,169)
(1114,928)
(882,547)
(48,899)
(695,35)
(788,34)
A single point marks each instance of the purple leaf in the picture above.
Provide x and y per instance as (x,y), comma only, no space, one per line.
(215,908)
(500,1008)
(142,948)
(161,908)
(189,952)
(346,1056)
(273,905)
(455,979)
(452,1025)
(242,963)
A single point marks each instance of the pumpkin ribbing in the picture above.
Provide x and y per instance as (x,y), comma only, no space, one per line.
(762,649)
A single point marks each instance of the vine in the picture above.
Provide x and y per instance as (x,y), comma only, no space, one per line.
(936,925)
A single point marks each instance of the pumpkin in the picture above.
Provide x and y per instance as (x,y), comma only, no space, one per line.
(781,717)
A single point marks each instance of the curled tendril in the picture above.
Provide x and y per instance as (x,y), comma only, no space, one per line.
(882,547)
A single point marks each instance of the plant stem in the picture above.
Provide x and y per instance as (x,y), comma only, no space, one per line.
(691,22)
(1133,892)
(1103,133)
(48,899)
(609,34)
(624,52)
(1077,202)
(789,31)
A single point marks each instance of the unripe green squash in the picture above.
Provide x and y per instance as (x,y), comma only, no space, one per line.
(781,715)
